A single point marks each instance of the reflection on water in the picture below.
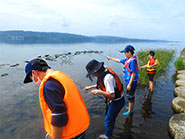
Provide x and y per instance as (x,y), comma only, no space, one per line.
(66,60)
(147,106)
(127,132)
(20,114)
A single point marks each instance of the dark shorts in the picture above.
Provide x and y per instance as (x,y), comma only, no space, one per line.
(151,77)
(130,94)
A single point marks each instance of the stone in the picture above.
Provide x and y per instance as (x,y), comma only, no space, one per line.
(181,76)
(177,126)
(5,74)
(180,82)
(180,91)
(14,65)
(181,72)
(178,105)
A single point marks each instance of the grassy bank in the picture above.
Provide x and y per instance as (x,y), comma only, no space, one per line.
(179,64)
(162,55)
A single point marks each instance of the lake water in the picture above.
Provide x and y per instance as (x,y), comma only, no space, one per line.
(20,114)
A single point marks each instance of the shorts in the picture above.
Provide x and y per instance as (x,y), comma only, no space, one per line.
(151,77)
(130,94)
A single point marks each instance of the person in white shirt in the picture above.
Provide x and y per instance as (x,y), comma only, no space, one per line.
(110,86)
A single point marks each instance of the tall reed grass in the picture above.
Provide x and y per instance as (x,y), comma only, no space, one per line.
(162,55)
(179,63)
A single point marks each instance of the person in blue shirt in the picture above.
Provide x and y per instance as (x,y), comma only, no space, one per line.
(130,74)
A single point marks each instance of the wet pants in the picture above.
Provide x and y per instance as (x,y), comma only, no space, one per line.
(114,108)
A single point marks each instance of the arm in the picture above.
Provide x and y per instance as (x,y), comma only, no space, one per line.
(57,132)
(113,59)
(104,93)
(109,82)
(54,93)
(144,66)
(155,64)
(131,80)
(90,87)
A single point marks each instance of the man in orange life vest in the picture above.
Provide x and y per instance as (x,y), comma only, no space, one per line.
(110,86)
(130,74)
(151,69)
(64,111)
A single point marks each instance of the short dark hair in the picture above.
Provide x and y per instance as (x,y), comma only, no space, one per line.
(132,52)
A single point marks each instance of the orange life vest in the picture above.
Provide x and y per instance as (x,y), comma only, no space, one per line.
(119,86)
(78,117)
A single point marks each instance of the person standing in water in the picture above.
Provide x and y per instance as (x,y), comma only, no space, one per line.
(110,86)
(130,74)
(64,111)
(151,69)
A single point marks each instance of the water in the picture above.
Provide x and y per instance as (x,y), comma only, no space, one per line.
(20,114)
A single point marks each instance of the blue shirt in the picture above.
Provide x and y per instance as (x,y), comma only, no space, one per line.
(54,93)
(133,66)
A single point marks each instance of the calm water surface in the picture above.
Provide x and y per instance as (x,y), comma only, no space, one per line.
(20,114)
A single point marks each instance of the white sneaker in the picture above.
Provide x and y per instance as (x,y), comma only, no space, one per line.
(103,136)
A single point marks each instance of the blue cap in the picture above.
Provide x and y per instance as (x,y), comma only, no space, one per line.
(128,48)
(33,65)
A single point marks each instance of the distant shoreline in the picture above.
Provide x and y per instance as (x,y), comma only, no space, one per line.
(31,37)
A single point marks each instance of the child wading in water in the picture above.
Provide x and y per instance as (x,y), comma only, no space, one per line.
(130,74)
(151,69)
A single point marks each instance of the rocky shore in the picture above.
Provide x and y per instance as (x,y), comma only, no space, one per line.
(177,121)
(64,57)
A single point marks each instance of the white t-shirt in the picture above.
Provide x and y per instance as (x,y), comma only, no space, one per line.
(110,83)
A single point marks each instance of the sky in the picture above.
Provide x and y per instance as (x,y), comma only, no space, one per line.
(148,19)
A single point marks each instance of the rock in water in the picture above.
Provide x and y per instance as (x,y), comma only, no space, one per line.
(177,126)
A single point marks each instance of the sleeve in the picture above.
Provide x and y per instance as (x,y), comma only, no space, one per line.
(133,66)
(54,93)
(157,61)
(109,82)
(123,61)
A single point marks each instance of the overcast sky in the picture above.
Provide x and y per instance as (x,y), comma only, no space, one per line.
(149,19)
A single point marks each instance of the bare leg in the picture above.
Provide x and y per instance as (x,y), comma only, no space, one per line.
(151,83)
(149,86)
(131,106)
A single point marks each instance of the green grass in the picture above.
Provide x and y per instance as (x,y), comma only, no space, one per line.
(179,64)
(162,55)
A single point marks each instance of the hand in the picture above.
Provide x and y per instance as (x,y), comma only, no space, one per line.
(128,87)
(87,88)
(95,92)
(108,58)
(143,67)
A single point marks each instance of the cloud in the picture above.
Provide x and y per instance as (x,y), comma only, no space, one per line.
(127,18)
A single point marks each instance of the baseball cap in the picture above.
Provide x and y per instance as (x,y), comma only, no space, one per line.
(34,64)
(128,48)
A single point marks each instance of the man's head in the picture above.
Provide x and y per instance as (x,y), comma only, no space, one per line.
(94,67)
(34,67)
(151,53)
(129,50)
